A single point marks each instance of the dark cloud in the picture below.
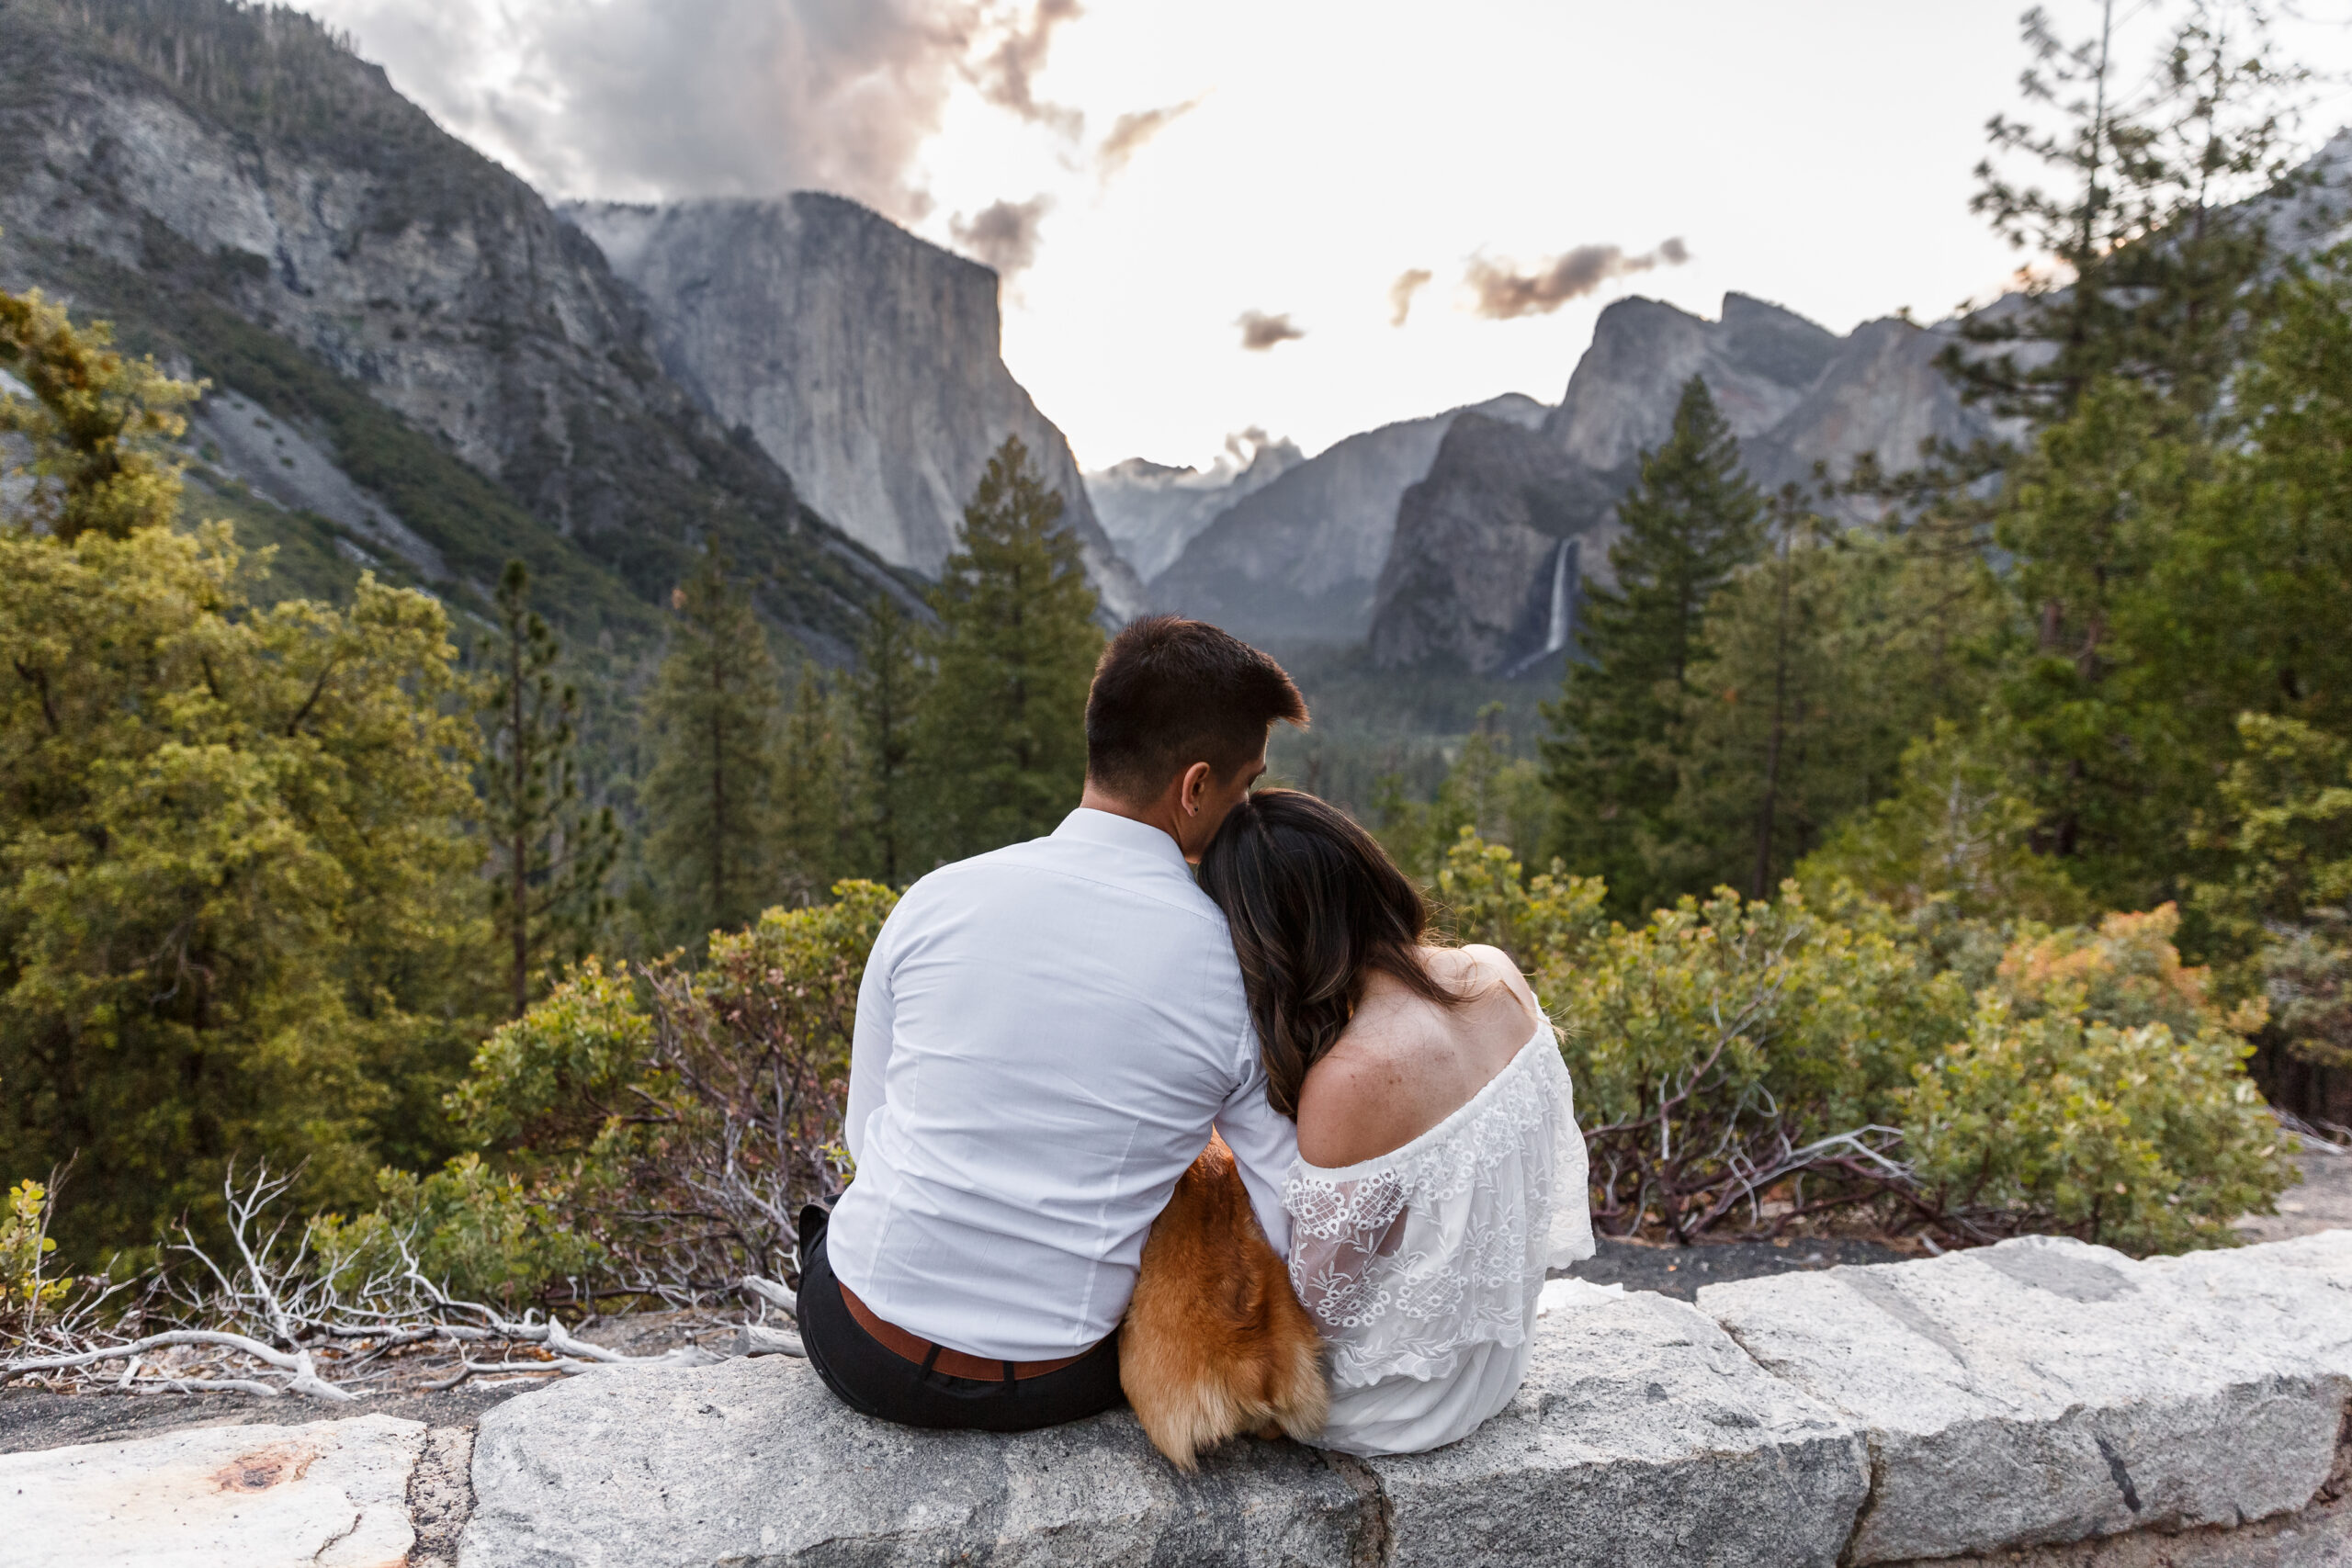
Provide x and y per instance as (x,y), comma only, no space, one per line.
(1003,74)
(1401,293)
(1504,291)
(1130,131)
(1260,331)
(1003,233)
(640,99)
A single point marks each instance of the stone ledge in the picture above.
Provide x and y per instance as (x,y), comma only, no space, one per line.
(2042,1390)
(324,1495)
(1642,1436)
(2039,1404)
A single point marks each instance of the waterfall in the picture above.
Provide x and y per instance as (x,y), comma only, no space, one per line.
(1555,631)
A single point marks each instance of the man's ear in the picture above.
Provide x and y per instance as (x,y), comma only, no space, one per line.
(1194,785)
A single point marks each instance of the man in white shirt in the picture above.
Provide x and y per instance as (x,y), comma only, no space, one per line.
(1045,1036)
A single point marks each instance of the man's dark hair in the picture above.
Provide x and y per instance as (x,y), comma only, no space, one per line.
(1169,693)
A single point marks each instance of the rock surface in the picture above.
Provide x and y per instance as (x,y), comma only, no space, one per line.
(1153,510)
(759,1464)
(1642,1437)
(1300,557)
(1474,539)
(2045,1391)
(169,162)
(329,1494)
(863,360)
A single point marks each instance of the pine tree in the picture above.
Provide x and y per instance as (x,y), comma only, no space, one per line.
(2153,256)
(1690,522)
(710,793)
(885,694)
(816,819)
(1002,728)
(549,856)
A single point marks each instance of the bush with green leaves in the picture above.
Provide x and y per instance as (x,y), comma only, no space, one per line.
(1753,1061)
(675,1118)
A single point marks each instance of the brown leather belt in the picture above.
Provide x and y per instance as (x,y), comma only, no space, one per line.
(939,1357)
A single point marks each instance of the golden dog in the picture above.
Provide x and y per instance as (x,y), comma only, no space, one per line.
(1214,1342)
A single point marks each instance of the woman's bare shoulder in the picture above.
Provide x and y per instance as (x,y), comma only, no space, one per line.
(1358,1101)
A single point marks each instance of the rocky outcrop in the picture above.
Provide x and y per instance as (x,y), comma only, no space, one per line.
(863,360)
(1153,510)
(2041,1402)
(1300,558)
(168,162)
(1483,538)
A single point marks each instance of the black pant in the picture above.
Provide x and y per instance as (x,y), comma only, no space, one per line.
(874,1380)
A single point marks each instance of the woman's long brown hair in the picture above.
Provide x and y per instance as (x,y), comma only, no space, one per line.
(1315,905)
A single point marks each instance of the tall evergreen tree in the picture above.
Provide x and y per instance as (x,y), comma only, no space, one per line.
(1002,728)
(816,815)
(550,856)
(1691,520)
(710,793)
(884,695)
(2147,254)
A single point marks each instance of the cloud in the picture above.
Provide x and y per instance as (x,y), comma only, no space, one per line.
(1003,233)
(1260,331)
(1504,291)
(662,99)
(1130,131)
(1401,293)
(1003,74)
(1244,445)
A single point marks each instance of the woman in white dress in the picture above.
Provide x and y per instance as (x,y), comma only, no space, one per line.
(1440,1169)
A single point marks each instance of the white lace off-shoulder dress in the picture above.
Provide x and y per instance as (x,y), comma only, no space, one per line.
(1422,1267)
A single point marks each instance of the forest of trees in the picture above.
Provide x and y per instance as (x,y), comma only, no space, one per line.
(1955,773)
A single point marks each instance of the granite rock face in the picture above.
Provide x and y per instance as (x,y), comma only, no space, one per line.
(1300,557)
(1153,510)
(1642,1437)
(760,1464)
(329,1494)
(2045,1391)
(863,360)
(1467,571)
(168,162)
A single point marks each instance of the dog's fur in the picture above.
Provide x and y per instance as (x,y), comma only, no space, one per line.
(1216,1342)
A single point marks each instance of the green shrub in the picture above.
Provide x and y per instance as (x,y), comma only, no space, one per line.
(1745,1059)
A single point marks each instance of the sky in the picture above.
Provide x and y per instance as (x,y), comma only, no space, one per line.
(1301,218)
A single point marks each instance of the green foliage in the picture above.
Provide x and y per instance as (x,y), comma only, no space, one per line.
(677,1118)
(1955,833)
(1487,790)
(1689,522)
(549,857)
(1002,726)
(98,425)
(2283,917)
(2098,1093)
(25,1249)
(819,811)
(884,696)
(714,723)
(2147,264)
(237,897)
(477,1235)
(1760,1061)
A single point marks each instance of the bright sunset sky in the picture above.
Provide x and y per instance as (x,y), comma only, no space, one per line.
(1815,153)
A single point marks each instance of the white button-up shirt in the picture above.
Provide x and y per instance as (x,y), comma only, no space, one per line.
(1045,1036)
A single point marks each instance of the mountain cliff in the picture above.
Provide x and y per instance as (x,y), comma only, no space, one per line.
(247,197)
(863,360)
(1505,516)
(1300,558)
(1153,510)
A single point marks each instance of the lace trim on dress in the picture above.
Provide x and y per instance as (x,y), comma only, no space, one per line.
(1408,1260)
